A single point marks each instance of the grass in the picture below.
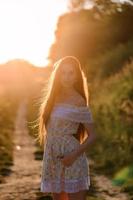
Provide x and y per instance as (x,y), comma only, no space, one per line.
(8,108)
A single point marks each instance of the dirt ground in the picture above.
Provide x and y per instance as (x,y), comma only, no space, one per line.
(23,183)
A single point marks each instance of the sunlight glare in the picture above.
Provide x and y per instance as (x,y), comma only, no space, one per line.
(27,28)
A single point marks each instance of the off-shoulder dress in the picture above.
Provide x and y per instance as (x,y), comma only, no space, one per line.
(62,124)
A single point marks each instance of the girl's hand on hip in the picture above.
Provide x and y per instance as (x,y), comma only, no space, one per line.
(67,160)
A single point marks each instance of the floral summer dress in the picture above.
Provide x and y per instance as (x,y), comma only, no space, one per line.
(63,123)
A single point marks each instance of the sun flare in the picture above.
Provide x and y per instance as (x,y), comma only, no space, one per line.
(27,28)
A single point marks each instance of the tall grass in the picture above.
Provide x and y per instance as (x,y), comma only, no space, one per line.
(8,110)
(113,113)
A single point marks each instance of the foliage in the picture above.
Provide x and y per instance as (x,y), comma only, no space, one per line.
(8,108)
(87,33)
(109,63)
(113,113)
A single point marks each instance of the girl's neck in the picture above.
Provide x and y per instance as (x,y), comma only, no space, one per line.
(66,95)
(68,91)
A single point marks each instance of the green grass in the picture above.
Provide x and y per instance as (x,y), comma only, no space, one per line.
(8,108)
(112,108)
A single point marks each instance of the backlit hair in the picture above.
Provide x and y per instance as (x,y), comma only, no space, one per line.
(52,90)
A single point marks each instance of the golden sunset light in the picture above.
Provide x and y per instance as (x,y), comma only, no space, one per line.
(66,99)
(27,29)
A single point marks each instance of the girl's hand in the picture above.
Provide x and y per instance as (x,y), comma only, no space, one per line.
(67,160)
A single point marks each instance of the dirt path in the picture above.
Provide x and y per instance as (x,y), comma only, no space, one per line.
(23,183)
(106,190)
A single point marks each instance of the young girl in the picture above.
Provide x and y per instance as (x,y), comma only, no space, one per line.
(66,130)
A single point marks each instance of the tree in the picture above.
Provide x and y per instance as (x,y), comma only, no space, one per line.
(101,6)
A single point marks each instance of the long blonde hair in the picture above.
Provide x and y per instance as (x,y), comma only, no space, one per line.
(53,89)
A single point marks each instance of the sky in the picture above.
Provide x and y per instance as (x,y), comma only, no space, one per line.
(27,29)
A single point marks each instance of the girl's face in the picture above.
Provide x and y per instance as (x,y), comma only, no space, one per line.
(68,75)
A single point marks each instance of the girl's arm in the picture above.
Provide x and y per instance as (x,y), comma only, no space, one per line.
(88,141)
(71,157)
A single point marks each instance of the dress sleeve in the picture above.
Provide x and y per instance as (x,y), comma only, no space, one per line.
(83,115)
(76,114)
